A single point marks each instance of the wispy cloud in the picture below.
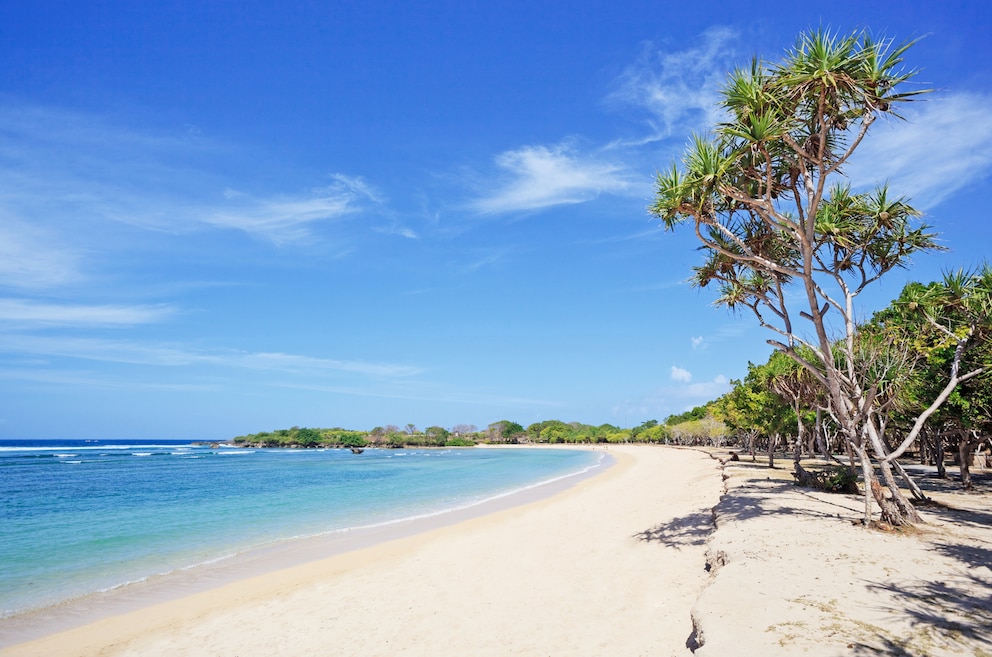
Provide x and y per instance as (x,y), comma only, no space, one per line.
(943,146)
(32,313)
(679,89)
(90,380)
(674,398)
(681,375)
(286,218)
(483,261)
(427,393)
(295,364)
(65,169)
(32,257)
(138,353)
(534,177)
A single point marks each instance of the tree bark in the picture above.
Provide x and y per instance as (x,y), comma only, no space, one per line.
(910,483)
(907,512)
(901,511)
(965,446)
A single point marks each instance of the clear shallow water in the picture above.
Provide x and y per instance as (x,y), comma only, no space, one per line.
(78,517)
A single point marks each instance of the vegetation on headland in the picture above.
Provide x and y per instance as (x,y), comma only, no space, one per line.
(786,236)
(675,429)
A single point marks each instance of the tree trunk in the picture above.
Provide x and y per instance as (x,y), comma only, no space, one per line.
(939,444)
(964,454)
(907,512)
(910,483)
(889,511)
(821,438)
(900,511)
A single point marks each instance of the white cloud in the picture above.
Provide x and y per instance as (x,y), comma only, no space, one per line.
(295,364)
(135,353)
(674,398)
(485,260)
(32,258)
(681,375)
(679,89)
(943,146)
(21,311)
(399,230)
(83,173)
(541,176)
(288,218)
(698,342)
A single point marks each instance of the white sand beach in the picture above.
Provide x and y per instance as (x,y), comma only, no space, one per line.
(794,575)
(625,563)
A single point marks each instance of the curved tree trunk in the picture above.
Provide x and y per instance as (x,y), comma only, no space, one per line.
(907,512)
(900,511)
(890,513)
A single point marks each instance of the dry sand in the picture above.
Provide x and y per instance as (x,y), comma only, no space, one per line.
(626,563)
(793,575)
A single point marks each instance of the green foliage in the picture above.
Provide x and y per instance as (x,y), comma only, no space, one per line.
(436,436)
(504,431)
(304,437)
(697,413)
(751,405)
(943,329)
(307,437)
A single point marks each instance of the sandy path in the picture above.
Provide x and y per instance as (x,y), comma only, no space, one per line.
(611,566)
(799,578)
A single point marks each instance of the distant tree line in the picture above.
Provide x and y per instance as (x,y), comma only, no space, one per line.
(694,427)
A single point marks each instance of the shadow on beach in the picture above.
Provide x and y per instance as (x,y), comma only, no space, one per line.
(913,593)
(954,612)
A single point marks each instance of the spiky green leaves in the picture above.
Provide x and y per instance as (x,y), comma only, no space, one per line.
(870,233)
(757,189)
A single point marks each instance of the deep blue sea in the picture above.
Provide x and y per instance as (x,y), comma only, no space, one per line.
(77,517)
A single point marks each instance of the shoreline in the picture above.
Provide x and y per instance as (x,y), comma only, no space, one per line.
(669,551)
(262,560)
(589,530)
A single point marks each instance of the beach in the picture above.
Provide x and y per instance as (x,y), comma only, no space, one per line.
(576,573)
(666,551)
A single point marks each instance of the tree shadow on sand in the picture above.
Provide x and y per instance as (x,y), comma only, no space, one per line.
(772,498)
(764,498)
(692,529)
(952,614)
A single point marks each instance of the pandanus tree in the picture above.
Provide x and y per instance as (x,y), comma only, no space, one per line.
(786,236)
(948,326)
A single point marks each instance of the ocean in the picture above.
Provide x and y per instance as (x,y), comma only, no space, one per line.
(82,517)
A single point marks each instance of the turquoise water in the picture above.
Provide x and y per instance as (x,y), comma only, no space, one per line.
(77,517)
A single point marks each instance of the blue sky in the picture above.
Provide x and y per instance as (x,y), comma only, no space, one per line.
(222,218)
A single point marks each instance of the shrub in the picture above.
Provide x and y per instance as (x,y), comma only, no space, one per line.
(832,480)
